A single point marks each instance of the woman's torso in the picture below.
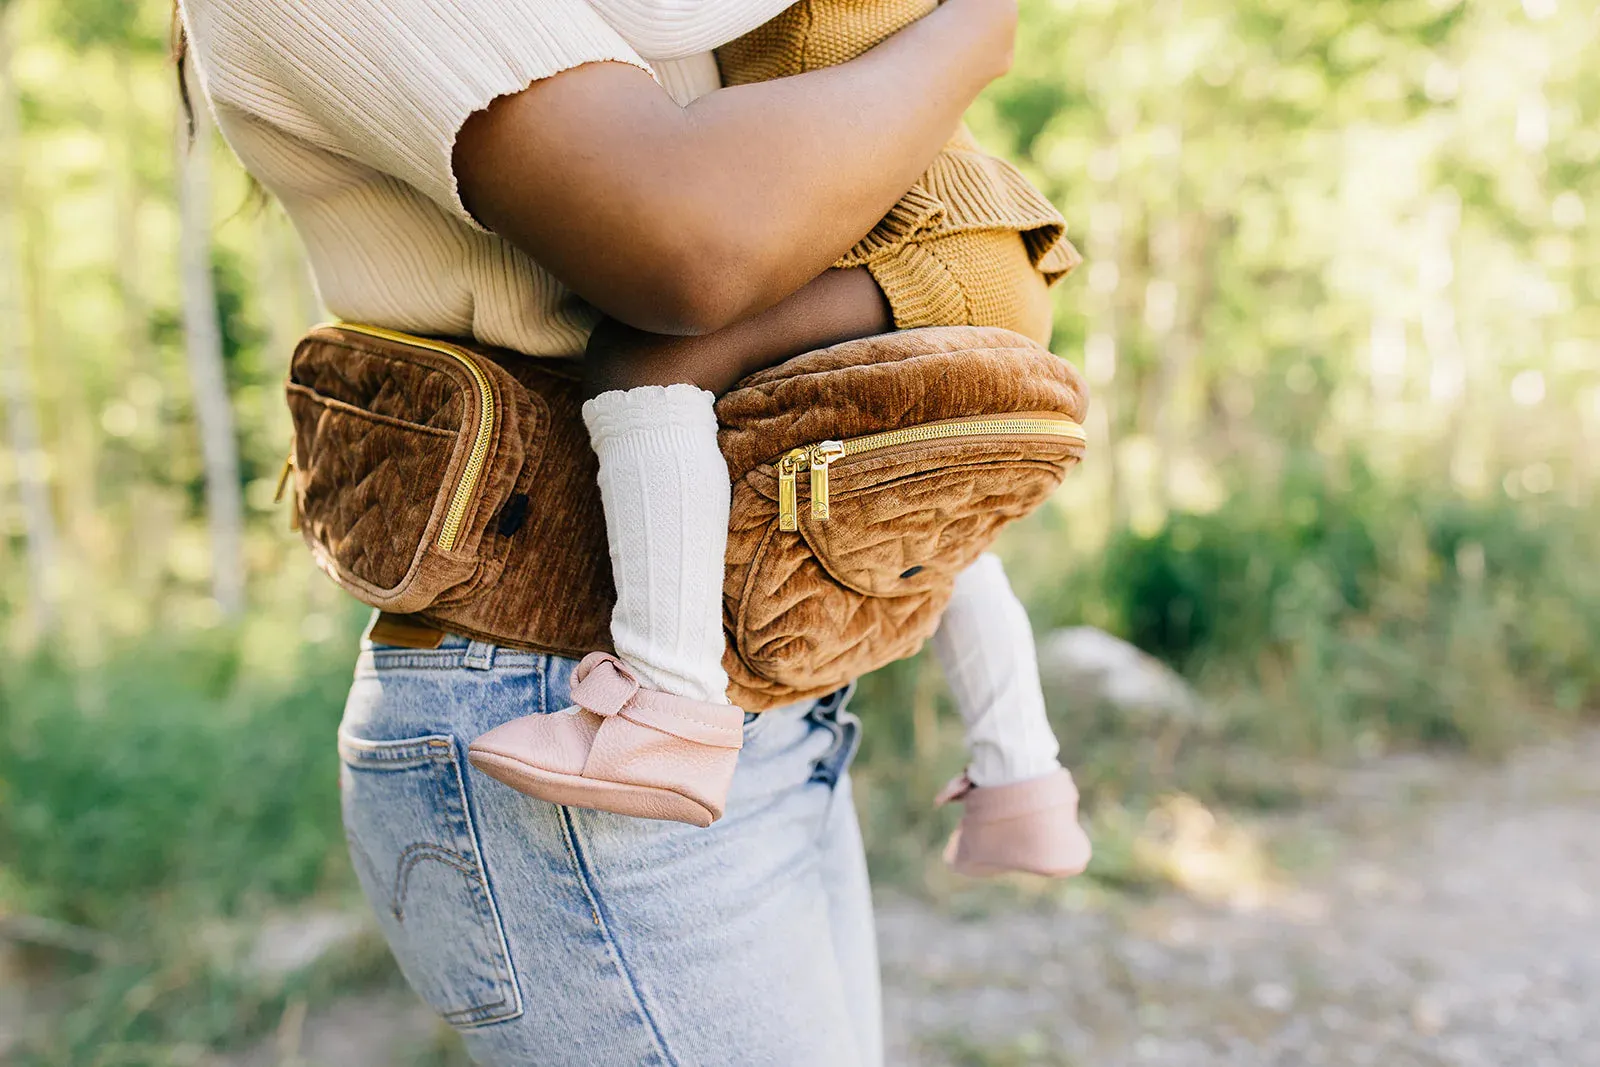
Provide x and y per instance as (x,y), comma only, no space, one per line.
(385,250)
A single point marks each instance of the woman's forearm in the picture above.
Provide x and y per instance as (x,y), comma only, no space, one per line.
(835,306)
(683,220)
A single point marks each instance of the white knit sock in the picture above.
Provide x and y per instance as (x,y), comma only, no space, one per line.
(664,486)
(985,647)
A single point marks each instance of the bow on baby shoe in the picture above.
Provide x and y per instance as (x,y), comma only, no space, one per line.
(603,685)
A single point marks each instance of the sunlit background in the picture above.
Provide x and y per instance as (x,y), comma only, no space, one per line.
(1339,315)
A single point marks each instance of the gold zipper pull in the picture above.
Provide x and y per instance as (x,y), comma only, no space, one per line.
(822,455)
(294,498)
(788,498)
(283,479)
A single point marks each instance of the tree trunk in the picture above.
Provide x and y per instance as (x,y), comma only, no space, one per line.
(16,379)
(207,375)
(125,189)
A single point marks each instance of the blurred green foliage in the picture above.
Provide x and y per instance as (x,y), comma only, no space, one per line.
(1339,312)
(160,773)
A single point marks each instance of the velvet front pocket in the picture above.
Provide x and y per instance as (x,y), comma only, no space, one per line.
(415,851)
(831,600)
(408,454)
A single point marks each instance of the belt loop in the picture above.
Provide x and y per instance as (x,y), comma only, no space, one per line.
(479,657)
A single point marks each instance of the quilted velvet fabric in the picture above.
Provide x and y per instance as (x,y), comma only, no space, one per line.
(805,611)
(383,434)
(889,381)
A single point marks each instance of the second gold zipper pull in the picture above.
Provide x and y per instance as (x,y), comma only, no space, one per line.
(822,455)
(283,489)
(283,479)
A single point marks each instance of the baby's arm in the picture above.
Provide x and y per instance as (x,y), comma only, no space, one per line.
(838,305)
(673,29)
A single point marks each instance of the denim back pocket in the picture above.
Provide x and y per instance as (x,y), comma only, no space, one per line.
(415,851)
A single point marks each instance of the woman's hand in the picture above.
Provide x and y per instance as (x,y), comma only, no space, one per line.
(685,220)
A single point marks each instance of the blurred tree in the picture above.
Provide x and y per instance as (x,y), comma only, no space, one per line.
(16,378)
(114,27)
(203,344)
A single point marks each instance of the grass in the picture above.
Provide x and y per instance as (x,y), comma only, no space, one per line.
(166,800)
(164,777)
(178,1006)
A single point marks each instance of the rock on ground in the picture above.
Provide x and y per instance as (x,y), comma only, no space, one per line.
(1096,668)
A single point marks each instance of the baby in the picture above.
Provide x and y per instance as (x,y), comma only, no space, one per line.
(651,732)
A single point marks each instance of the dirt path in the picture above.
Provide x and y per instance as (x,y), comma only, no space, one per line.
(1440,915)
(1452,917)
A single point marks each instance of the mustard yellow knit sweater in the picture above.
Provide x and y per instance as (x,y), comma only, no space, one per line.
(972,243)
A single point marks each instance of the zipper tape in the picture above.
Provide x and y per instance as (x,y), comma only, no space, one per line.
(819,457)
(461,498)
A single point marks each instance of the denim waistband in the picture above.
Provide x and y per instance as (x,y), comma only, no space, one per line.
(456,652)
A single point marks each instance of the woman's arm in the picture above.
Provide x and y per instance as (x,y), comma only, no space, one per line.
(835,306)
(684,220)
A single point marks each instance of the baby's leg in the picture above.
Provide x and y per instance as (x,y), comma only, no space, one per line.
(984,645)
(1021,806)
(652,733)
(664,490)
(663,481)
(977,278)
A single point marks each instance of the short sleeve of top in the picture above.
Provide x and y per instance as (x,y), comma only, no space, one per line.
(390,82)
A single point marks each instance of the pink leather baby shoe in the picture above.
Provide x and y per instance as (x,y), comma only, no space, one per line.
(621,748)
(1030,826)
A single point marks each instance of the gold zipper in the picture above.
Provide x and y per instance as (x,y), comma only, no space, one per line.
(456,513)
(819,457)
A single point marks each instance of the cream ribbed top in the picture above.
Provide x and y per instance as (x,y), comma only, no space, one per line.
(347,111)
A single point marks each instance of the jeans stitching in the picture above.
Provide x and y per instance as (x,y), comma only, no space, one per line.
(849,742)
(389,756)
(581,866)
(409,857)
(372,661)
(829,766)
(833,766)
(487,895)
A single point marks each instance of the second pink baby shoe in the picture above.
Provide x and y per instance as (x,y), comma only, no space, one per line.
(1029,826)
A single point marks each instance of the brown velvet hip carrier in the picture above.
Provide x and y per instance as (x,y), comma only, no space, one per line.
(454,483)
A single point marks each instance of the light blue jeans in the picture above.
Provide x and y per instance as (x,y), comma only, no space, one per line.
(552,936)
